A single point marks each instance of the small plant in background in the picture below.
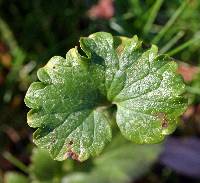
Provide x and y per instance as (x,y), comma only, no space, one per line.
(118,163)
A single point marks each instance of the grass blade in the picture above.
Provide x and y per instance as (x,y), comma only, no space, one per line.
(184,45)
(15,162)
(7,35)
(172,42)
(152,16)
(136,6)
(170,22)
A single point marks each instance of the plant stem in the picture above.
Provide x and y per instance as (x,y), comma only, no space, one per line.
(7,35)
(152,15)
(183,46)
(170,22)
(18,58)
(172,42)
(115,26)
(137,6)
(15,162)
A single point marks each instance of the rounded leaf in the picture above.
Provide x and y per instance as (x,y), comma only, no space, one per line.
(70,106)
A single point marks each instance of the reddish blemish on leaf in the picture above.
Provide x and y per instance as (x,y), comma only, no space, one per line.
(73,155)
(70,153)
(91,89)
(163,118)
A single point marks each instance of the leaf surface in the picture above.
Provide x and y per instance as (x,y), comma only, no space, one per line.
(13,177)
(71,104)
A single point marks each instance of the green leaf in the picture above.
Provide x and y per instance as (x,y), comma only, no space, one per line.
(43,168)
(71,103)
(13,177)
(121,161)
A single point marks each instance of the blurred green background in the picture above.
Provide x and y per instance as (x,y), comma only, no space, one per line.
(31,32)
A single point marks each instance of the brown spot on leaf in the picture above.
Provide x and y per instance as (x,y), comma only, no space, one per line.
(72,155)
(69,144)
(53,140)
(120,49)
(163,118)
(164,124)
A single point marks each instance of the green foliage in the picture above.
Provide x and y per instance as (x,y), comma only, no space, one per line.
(73,105)
(121,162)
(193,90)
(43,167)
(160,22)
(13,177)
